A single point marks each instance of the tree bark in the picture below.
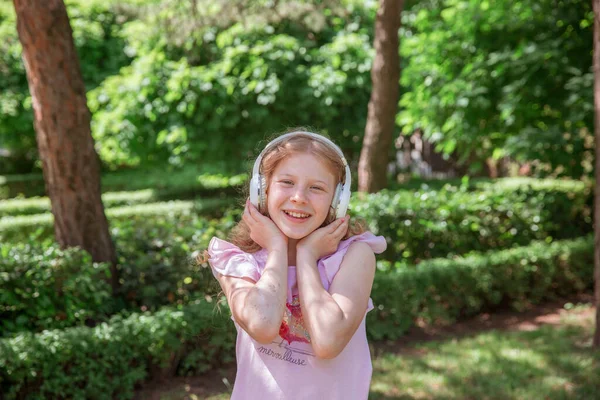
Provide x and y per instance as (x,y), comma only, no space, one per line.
(596,341)
(383,104)
(62,123)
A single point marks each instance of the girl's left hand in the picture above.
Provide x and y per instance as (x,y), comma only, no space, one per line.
(324,241)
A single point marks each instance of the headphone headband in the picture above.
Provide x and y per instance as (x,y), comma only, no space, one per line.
(320,138)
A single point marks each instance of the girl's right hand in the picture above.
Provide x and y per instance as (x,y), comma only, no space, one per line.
(263,230)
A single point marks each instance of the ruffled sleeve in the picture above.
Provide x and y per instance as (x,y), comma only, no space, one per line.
(228,259)
(330,265)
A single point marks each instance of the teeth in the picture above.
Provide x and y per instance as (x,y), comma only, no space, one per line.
(297,215)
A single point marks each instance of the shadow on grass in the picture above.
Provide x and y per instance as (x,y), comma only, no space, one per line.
(548,363)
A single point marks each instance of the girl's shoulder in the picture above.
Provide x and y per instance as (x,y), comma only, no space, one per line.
(228,259)
(377,243)
(330,265)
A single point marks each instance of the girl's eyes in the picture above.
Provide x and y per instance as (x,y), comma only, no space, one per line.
(289,183)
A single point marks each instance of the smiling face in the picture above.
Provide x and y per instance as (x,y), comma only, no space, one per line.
(300,192)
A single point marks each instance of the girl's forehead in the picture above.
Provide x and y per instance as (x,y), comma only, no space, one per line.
(305,165)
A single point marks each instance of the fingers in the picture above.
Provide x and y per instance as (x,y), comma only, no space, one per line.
(248,215)
(332,227)
(342,226)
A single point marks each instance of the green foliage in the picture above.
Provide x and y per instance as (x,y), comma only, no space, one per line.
(162,110)
(417,224)
(494,78)
(107,361)
(46,288)
(100,46)
(429,223)
(157,263)
(441,290)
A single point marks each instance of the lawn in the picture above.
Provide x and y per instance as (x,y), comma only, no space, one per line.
(544,354)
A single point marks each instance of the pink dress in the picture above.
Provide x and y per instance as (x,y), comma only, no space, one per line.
(287,368)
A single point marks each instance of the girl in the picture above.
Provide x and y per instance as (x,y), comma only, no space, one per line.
(297,276)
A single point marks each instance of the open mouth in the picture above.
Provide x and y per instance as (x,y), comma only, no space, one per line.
(296,215)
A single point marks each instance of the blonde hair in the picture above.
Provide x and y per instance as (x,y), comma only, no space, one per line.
(240,234)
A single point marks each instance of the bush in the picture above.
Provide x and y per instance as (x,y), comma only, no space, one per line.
(156,258)
(441,290)
(46,288)
(155,255)
(259,79)
(107,361)
(427,223)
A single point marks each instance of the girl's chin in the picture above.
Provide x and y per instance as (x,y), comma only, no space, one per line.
(294,234)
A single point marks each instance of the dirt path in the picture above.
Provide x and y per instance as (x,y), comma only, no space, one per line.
(220,380)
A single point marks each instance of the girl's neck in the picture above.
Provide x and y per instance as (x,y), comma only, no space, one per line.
(292,251)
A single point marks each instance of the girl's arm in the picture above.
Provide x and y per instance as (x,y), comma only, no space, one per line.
(333,317)
(258,306)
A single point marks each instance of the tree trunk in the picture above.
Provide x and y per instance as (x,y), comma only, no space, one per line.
(62,122)
(383,105)
(596,341)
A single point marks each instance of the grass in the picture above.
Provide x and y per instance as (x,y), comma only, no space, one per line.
(541,362)
(549,362)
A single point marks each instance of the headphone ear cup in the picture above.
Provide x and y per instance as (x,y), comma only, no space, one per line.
(254,190)
(335,202)
(343,202)
(262,196)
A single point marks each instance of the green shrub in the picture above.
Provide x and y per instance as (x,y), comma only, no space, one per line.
(441,290)
(259,79)
(107,361)
(45,288)
(156,258)
(419,224)
(427,223)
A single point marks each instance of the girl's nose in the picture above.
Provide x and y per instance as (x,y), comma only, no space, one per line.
(298,196)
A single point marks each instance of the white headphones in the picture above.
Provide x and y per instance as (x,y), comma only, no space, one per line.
(258,183)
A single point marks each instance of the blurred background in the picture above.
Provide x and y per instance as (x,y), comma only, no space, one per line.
(482,186)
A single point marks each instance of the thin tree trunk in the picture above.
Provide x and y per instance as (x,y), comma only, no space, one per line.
(383,105)
(596,341)
(62,123)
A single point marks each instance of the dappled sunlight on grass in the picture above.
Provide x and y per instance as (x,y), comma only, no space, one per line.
(548,363)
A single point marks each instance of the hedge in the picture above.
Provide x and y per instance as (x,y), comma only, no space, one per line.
(154,262)
(50,288)
(442,290)
(110,359)
(418,225)
(107,361)
(428,223)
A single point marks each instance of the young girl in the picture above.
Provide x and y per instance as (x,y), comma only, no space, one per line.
(297,276)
